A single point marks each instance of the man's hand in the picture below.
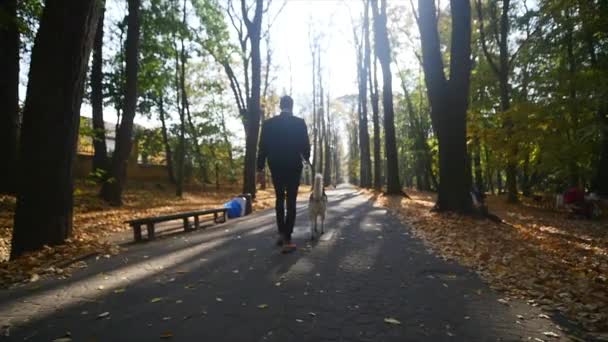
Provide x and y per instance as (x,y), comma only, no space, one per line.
(260,176)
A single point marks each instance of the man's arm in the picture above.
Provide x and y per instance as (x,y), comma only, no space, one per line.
(262,151)
(305,142)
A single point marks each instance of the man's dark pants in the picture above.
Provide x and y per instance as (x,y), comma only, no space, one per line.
(286,183)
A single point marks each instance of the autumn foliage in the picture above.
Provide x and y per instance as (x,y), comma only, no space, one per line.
(538,255)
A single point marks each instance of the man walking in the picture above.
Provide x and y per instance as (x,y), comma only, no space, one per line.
(284,142)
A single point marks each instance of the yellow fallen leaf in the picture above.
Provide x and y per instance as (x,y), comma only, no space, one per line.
(155,300)
(103,315)
(262,306)
(390,320)
(119,290)
(166,334)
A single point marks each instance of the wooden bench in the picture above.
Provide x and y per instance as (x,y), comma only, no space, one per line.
(219,216)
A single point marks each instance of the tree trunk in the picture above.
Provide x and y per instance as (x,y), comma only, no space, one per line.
(374,97)
(253,105)
(502,71)
(449,100)
(525,183)
(393,186)
(601,182)
(477,163)
(321,117)
(51,119)
(180,74)
(168,152)
(111,191)
(328,138)
(9,96)
(100,157)
(365,163)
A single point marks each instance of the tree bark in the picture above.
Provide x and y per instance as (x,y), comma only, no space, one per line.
(9,96)
(382,45)
(502,71)
(112,189)
(449,100)
(100,157)
(328,138)
(321,117)
(181,150)
(254,28)
(365,163)
(374,98)
(51,120)
(168,152)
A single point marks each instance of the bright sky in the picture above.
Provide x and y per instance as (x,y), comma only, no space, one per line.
(291,34)
(290,41)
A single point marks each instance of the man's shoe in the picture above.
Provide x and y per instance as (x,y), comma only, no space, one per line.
(280,241)
(289,247)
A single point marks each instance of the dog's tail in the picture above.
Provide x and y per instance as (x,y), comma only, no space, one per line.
(317,188)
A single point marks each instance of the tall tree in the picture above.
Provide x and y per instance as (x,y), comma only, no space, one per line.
(375,99)
(100,157)
(383,51)
(328,139)
(9,93)
(502,70)
(112,189)
(51,119)
(365,163)
(168,152)
(252,121)
(448,99)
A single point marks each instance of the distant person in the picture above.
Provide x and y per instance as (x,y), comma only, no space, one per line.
(284,143)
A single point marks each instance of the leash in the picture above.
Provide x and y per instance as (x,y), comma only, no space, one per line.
(306,162)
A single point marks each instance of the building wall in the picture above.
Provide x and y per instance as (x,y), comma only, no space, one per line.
(139,172)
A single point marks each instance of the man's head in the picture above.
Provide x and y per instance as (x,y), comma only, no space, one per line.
(286,104)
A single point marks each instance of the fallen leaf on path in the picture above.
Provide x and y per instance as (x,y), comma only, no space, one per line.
(103,315)
(277,284)
(299,320)
(218,299)
(312,314)
(390,320)
(119,290)
(156,299)
(262,306)
(166,334)
(550,334)
(251,250)
(63,339)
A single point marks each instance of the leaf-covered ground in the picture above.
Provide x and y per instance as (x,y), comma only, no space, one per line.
(95,222)
(553,262)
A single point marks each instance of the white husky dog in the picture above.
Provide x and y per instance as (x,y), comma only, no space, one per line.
(317,206)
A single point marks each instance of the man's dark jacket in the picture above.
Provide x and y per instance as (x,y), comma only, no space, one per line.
(284,141)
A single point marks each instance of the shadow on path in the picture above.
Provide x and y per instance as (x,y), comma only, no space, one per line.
(229,283)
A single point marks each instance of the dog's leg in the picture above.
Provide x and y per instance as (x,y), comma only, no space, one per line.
(322,224)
